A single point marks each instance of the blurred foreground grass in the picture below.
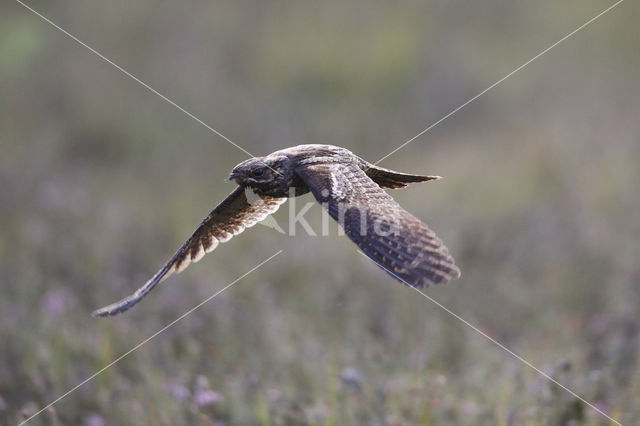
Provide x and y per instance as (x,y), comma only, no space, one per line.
(101,181)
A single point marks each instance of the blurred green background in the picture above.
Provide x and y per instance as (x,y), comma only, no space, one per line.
(101,180)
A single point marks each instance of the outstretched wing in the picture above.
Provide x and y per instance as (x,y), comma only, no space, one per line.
(395,239)
(241,209)
(391,179)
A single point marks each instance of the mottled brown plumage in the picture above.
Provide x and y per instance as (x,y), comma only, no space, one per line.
(349,188)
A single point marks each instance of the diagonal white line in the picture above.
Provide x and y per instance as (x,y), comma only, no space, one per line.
(500,81)
(500,345)
(515,355)
(133,77)
(136,347)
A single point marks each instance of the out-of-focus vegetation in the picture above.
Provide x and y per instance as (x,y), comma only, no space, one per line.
(100,180)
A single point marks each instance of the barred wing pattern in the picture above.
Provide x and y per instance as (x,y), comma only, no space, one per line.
(240,210)
(392,237)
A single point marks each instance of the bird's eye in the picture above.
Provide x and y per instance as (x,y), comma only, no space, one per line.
(258,171)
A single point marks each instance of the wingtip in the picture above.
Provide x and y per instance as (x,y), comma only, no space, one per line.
(100,313)
(457,273)
(114,308)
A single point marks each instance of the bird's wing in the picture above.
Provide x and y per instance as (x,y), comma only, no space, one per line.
(391,179)
(395,239)
(241,209)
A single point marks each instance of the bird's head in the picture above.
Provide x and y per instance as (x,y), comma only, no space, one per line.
(265,174)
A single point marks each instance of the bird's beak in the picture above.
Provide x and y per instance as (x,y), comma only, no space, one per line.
(232,176)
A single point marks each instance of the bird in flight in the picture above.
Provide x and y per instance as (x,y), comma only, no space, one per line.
(350,188)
